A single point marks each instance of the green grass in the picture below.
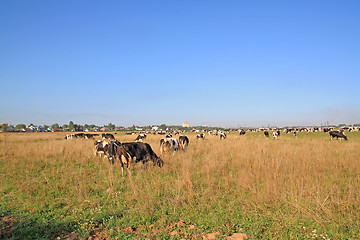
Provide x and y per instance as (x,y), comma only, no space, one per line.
(294,188)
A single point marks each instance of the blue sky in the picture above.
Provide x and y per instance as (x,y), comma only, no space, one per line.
(220,63)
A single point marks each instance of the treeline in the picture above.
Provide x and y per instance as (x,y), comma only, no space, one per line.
(59,128)
(73,127)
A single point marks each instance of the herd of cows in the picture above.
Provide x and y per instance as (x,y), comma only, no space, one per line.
(138,151)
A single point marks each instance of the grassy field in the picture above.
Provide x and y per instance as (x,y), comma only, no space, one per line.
(304,187)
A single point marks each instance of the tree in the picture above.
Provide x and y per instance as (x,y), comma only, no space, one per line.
(111,127)
(20,126)
(4,127)
(55,125)
(71,126)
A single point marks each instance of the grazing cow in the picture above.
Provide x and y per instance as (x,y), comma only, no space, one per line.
(201,136)
(133,152)
(266,133)
(337,135)
(76,135)
(90,136)
(275,135)
(107,136)
(222,135)
(169,135)
(69,136)
(168,144)
(183,142)
(101,148)
(327,129)
(80,135)
(288,130)
(242,132)
(140,137)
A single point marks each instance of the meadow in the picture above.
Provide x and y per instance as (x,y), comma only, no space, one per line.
(304,187)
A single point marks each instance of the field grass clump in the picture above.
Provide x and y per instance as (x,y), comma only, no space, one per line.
(300,187)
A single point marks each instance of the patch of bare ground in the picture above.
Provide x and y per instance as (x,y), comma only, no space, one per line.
(179,230)
(234,236)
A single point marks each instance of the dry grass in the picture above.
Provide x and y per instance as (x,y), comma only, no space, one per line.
(264,187)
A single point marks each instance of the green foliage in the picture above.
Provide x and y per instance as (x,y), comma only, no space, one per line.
(4,127)
(20,126)
(111,127)
(71,125)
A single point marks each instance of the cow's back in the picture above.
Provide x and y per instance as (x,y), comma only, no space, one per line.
(142,151)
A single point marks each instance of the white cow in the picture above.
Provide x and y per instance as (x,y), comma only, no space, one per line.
(275,135)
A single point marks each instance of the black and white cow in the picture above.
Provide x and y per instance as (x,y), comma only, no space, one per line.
(266,133)
(242,132)
(201,136)
(337,135)
(222,135)
(168,144)
(275,135)
(69,136)
(326,130)
(76,135)
(80,135)
(140,137)
(183,142)
(107,136)
(90,136)
(132,152)
(101,148)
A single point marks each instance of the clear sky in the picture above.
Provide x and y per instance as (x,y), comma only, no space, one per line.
(220,63)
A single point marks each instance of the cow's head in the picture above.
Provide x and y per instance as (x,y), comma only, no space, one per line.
(111,159)
(159,162)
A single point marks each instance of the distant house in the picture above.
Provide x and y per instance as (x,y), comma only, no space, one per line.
(155,128)
(186,124)
(31,127)
(138,129)
(103,129)
(34,128)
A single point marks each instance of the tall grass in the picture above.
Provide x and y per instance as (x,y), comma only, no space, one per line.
(295,187)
